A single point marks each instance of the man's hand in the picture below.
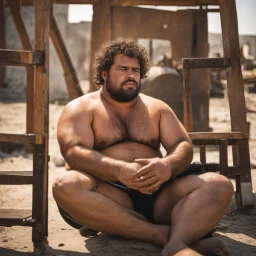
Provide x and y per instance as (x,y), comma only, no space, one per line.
(128,175)
(152,175)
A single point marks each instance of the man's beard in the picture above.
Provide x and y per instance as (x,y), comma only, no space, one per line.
(121,94)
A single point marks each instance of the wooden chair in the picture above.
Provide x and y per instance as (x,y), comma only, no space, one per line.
(238,138)
(35,139)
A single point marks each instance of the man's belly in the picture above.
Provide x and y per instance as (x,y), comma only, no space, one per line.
(129,151)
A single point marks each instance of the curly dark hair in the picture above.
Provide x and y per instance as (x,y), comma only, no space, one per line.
(105,57)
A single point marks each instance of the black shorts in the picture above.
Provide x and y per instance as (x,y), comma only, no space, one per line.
(143,203)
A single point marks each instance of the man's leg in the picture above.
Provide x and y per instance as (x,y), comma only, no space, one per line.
(102,207)
(193,205)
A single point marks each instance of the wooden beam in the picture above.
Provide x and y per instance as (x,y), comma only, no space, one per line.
(25,138)
(43,14)
(135,2)
(16,177)
(165,2)
(2,40)
(194,63)
(216,135)
(70,76)
(20,58)
(31,2)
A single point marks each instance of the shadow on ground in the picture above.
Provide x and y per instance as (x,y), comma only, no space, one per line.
(105,245)
(49,252)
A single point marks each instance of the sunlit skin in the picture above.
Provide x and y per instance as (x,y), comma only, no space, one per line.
(103,139)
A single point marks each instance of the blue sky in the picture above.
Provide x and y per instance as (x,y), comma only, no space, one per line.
(246,12)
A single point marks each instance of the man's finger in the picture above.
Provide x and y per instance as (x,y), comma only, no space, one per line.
(143,170)
(147,182)
(154,186)
(145,177)
(142,161)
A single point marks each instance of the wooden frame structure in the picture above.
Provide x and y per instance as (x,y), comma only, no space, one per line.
(239,136)
(36,138)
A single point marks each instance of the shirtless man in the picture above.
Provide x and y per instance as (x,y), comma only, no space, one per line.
(117,180)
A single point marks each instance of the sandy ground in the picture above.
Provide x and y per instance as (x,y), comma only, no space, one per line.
(237,229)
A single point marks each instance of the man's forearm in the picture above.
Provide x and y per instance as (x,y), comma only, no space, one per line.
(94,163)
(179,158)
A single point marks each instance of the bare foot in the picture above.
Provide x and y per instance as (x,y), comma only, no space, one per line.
(187,252)
(212,246)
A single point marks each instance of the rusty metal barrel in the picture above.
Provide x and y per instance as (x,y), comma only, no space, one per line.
(165,84)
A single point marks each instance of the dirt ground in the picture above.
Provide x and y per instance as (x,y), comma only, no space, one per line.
(237,229)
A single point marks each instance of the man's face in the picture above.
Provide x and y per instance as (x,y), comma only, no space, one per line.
(123,79)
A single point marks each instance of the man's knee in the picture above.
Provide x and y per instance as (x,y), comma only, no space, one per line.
(219,186)
(72,182)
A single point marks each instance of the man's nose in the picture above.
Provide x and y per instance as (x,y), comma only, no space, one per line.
(130,72)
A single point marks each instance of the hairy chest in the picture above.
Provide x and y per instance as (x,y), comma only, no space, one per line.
(111,128)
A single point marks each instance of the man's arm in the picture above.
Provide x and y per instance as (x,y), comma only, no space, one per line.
(176,142)
(76,140)
(179,155)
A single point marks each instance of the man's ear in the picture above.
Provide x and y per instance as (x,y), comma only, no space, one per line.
(104,74)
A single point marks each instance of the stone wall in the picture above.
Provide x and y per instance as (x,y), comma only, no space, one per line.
(77,40)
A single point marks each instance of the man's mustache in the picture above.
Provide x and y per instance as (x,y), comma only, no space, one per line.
(129,80)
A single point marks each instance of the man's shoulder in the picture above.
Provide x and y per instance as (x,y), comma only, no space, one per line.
(153,102)
(85,100)
(83,104)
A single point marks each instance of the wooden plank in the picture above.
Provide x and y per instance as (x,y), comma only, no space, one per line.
(70,76)
(15,217)
(25,138)
(217,142)
(30,2)
(2,40)
(14,214)
(20,58)
(223,155)
(135,2)
(14,6)
(165,2)
(216,135)
(16,177)
(194,63)
(188,111)
(43,14)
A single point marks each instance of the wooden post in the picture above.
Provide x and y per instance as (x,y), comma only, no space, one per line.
(101,32)
(236,99)
(14,6)
(70,76)
(224,157)
(43,14)
(188,112)
(2,40)
(202,154)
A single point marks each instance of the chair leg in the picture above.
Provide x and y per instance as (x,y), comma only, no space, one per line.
(244,194)
(224,157)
